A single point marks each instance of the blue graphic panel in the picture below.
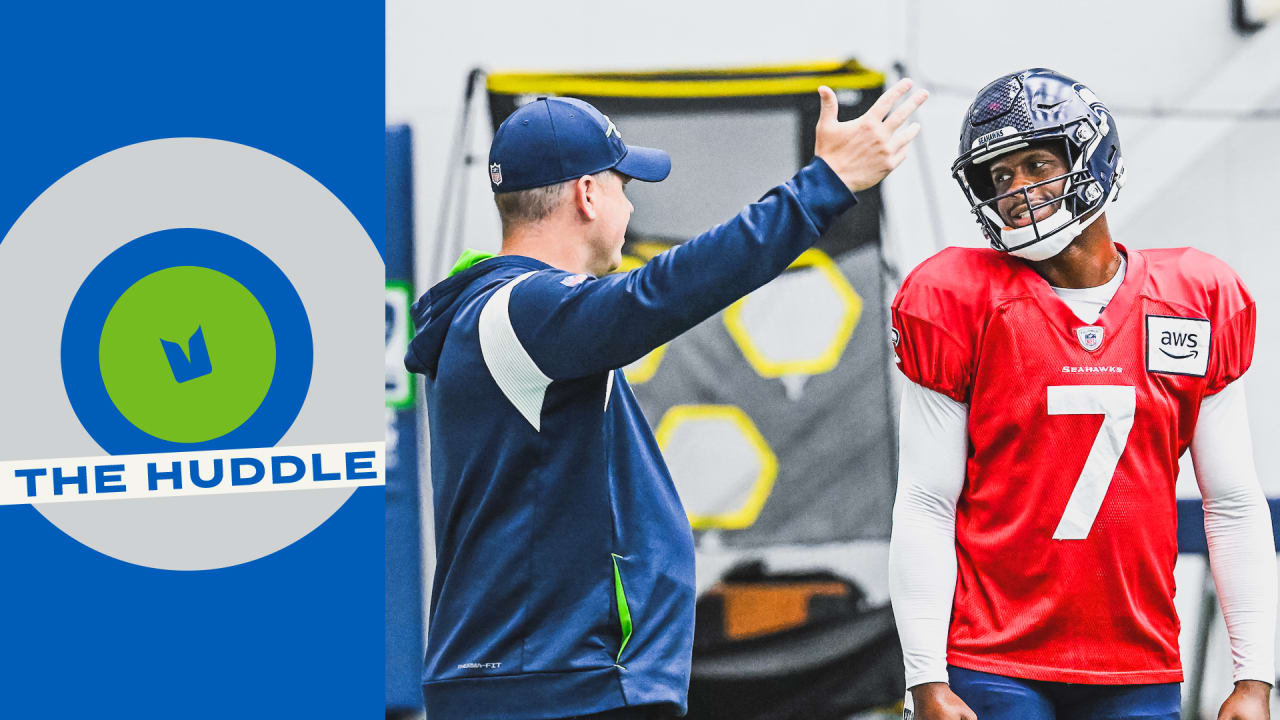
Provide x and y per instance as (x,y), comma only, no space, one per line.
(298,633)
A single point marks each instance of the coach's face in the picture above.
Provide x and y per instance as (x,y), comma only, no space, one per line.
(614,212)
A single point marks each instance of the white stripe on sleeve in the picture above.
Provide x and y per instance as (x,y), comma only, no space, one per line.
(509,363)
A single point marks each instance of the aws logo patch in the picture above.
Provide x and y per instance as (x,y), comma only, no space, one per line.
(1178,345)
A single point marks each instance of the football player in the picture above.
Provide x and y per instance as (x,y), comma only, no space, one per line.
(1054,381)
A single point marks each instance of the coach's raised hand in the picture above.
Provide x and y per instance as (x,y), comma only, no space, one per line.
(863,151)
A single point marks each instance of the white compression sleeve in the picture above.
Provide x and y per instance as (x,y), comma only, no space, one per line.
(1237,524)
(932,450)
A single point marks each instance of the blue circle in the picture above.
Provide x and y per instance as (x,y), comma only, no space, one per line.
(82,333)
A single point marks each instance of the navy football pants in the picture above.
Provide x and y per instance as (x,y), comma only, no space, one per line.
(996,697)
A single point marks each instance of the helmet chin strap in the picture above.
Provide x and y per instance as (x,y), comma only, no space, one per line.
(1055,243)
(1048,247)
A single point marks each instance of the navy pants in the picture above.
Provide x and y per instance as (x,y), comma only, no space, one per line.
(996,697)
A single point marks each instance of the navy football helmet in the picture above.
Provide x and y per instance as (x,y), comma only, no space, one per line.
(1039,107)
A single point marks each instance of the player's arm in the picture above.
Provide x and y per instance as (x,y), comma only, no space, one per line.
(1237,524)
(606,323)
(932,451)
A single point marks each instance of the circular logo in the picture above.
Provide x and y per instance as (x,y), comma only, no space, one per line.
(189,294)
(186,339)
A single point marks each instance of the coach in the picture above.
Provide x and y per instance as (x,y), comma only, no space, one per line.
(564,578)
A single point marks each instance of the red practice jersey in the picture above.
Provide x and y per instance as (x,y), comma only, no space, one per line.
(1066,529)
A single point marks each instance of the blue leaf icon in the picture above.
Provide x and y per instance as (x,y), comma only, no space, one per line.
(188,368)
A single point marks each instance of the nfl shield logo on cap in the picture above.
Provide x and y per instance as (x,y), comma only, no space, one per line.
(1090,337)
(495,173)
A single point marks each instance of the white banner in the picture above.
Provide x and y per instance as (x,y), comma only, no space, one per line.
(190,474)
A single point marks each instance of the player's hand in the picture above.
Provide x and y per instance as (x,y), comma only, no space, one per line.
(863,151)
(1251,700)
(936,701)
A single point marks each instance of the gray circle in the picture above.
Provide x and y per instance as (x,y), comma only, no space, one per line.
(214,185)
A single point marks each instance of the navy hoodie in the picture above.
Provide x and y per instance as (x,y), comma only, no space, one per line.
(564,576)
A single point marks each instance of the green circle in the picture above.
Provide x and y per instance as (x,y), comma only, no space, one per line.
(167,393)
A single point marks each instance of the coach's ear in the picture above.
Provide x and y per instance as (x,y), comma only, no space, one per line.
(586,195)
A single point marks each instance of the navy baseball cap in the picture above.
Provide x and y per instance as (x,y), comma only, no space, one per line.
(555,139)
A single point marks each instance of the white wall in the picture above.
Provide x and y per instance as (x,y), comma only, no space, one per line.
(1203,182)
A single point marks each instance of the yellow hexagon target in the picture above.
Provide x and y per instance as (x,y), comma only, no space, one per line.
(722,466)
(798,324)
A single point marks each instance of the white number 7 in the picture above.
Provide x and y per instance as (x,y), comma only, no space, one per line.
(1116,404)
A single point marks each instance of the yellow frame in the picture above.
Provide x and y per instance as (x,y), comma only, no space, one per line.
(692,83)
